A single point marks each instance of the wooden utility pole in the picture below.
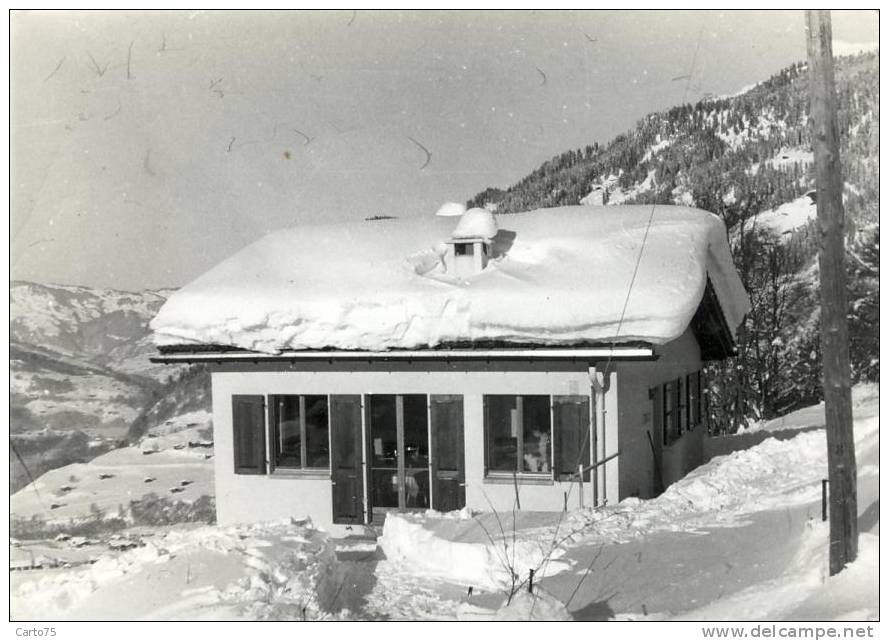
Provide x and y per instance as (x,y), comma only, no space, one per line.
(834,331)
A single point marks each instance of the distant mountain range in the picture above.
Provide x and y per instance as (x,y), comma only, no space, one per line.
(79,372)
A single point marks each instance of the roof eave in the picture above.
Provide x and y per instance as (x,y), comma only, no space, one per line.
(617,352)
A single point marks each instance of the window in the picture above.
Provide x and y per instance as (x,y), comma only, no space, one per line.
(519,434)
(299,432)
(681,406)
(463,249)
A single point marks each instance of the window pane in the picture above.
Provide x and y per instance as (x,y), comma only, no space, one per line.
(317,447)
(416,431)
(502,425)
(536,455)
(287,436)
(384,434)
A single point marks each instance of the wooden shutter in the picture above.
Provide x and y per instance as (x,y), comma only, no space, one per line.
(446,455)
(657,437)
(347,480)
(571,432)
(248,423)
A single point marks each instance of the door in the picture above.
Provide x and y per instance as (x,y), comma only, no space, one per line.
(345,459)
(398,443)
(448,473)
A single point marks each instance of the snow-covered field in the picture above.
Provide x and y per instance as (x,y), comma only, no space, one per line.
(739,538)
(173,460)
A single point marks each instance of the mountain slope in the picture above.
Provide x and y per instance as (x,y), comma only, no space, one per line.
(80,375)
(103,326)
(747,158)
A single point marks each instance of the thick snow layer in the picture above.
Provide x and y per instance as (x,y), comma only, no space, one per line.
(266,571)
(419,542)
(476,223)
(789,216)
(806,591)
(558,276)
(451,209)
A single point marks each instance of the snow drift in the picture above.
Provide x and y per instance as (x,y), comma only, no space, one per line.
(558,276)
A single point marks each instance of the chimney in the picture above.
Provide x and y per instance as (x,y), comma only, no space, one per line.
(469,247)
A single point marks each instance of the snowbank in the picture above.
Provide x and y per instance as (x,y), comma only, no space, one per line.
(775,474)
(414,540)
(524,606)
(805,591)
(558,276)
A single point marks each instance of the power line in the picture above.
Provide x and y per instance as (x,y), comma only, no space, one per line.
(32,483)
(619,326)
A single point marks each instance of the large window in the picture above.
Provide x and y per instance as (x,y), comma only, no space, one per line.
(299,432)
(519,434)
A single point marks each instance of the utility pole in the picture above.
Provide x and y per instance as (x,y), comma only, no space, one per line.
(834,332)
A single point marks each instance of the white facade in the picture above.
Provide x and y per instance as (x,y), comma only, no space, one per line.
(621,440)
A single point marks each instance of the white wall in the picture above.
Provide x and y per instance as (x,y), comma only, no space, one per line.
(244,498)
(677,358)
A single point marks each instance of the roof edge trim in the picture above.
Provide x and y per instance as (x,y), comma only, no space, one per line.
(616,353)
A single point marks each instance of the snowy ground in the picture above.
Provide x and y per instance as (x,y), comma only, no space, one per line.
(739,538)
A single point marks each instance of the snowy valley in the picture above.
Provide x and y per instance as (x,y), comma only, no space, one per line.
(79,373)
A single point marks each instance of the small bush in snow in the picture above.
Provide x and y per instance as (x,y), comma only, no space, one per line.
(152,509)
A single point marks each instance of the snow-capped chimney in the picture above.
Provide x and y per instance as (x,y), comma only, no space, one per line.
(470,244)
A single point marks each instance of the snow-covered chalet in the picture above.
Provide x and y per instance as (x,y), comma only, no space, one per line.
(551,357)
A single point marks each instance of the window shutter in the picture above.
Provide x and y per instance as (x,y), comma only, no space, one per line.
(557,437)
(571,429)
(485,431)
(248,423)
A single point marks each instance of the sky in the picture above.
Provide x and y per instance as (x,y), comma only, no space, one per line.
(148,146)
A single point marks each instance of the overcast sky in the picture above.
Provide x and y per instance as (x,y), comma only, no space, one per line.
(146,147)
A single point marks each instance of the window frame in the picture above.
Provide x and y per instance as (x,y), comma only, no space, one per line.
(555,442)
(273,436)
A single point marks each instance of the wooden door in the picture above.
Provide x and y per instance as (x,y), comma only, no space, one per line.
(345,459)
(448,465)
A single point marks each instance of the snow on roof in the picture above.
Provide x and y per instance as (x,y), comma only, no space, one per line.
(557,277)
(476,223)
(451,209)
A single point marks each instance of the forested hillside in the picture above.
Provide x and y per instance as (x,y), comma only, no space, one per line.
(747,158)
